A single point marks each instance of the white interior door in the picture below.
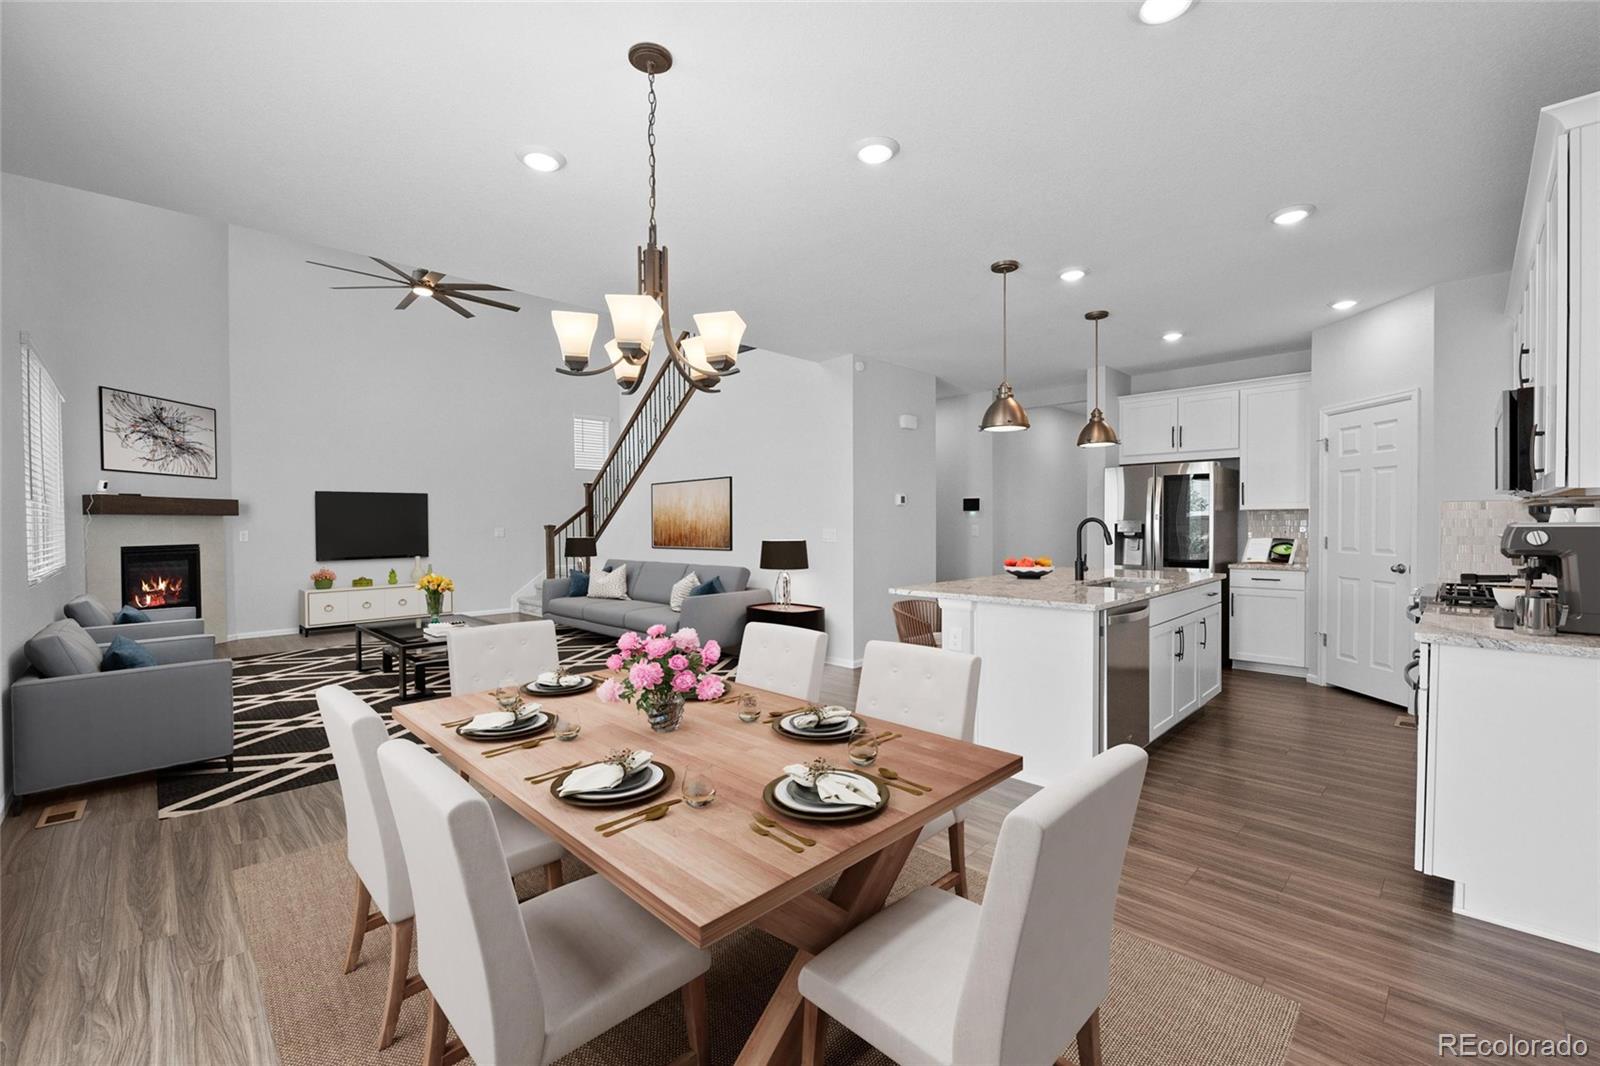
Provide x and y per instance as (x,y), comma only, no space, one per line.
(1369,494)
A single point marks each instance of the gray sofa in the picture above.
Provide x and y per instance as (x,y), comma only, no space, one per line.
(72,723)
(96,619)
(717,616)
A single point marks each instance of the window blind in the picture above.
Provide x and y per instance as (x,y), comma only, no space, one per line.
(591,439)
(44,486)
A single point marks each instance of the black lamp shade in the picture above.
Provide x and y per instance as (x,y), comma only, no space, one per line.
(783,555)
(581,547)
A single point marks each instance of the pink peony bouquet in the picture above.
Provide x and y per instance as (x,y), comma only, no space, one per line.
(660,671)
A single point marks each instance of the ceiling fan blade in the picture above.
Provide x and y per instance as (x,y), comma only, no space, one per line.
(347,270)
(394,286)
(452,305)
(401,274)
(409,299)
(457,286)
(475,299)
(432,277)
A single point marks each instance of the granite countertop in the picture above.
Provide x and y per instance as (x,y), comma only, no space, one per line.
(1476,629)
(1295,567)
(1060,590)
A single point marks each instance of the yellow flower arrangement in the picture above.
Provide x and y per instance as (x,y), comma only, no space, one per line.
(436,583)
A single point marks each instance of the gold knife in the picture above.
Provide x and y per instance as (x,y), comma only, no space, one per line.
(457,722)
(518,746)
(772,823)
(894,784)
(635,814)
(550,774)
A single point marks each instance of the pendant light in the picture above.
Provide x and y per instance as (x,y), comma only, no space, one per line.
(1005,415)
(1097,432)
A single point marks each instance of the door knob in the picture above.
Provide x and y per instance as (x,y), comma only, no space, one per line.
(1399,568)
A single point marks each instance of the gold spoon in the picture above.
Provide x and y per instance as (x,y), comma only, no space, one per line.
(892,776)
(634,814)
(653,815)
(761,830)
(771,824)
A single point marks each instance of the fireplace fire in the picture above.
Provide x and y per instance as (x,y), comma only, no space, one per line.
(161,575)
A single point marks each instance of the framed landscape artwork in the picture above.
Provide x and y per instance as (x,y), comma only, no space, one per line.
(692,514)
(144,434)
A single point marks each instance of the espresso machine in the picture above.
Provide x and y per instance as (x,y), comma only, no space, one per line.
(1569,552)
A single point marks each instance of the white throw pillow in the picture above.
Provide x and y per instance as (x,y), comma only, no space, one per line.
(609,584)
(681,590)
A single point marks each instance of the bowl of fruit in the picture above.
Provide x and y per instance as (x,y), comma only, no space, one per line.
(1029,566)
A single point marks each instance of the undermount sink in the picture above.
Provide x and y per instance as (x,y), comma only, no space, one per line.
(1129,584)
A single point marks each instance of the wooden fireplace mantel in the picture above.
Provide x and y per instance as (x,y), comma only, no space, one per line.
(103,503)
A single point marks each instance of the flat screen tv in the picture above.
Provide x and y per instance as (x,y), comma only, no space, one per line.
(371,525)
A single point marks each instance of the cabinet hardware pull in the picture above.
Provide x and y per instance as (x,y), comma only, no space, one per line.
(1172,436)
(1521,380)
(1179,655)
(327,607)
(1241,494)
(1253,580)
(1232,599)
(1180,436)
(1202,634)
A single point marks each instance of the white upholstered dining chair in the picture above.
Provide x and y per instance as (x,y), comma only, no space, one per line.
(355,732)
(483,656)
(938,979)
(783,659)
(932,689)
(523,983)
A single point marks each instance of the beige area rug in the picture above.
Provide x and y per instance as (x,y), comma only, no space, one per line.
(1163,1009)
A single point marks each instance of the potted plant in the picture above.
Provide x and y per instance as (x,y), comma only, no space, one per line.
(660,673)
(322,578)
(434,586)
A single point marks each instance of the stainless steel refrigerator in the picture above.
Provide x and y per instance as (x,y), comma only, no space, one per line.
(1180,516)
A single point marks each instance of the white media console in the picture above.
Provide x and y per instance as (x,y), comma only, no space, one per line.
(320,608)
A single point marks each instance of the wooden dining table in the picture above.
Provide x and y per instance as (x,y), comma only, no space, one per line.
(705,872)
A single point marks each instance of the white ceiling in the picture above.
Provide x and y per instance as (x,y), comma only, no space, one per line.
(1056,134)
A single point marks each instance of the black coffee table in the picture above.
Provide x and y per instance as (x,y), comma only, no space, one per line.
(407,642)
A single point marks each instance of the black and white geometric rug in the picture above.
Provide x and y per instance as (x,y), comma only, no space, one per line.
(278,742)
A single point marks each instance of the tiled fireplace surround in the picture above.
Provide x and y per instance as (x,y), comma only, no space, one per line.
(105,535)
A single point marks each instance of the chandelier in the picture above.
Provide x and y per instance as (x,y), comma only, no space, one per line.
(702,359)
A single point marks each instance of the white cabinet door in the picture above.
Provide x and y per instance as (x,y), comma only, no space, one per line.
(404,601)
(1163,676)
(1268,626)
(1208,422)
(1186,669)
(326,608)
(1208,653)
(1147,426)
(365,604)
(1275,446)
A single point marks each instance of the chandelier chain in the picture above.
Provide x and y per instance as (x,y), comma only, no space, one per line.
(650,138)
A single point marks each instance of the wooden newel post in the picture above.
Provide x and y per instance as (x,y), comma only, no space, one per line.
(549,552)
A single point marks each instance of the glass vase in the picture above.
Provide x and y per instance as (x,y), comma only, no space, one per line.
(666,713)
(435,605)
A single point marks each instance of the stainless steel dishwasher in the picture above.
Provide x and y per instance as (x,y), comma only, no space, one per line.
(1125,644)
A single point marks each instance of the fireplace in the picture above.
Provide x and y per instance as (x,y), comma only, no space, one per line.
(161,575)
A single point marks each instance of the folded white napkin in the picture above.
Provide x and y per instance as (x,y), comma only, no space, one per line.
(821,716)
(550,678)
(843,788)
(601,775)
(500,719)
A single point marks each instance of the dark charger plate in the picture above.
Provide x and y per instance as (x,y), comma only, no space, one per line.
(533,688)
(844,817)
(600,801)
(520,733)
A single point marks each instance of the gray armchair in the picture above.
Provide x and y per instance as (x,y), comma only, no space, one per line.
(73,723)
(96,619)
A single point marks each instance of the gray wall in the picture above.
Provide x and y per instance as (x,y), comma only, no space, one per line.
(965,460)
(337,390)
(1041,481)
(113,293)
(1472,364)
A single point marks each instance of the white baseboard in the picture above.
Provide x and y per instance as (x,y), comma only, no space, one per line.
(1270,668)
(264,633)
(848,664)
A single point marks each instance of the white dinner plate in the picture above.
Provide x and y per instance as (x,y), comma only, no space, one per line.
(836,728)
(651,780)
(527,723)
(784,796)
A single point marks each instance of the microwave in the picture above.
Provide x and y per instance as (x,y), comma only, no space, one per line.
(1514,434)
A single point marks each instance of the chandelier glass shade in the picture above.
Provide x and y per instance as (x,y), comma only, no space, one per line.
(636,318)
(1005,414)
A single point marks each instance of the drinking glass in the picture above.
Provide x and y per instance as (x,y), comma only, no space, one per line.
(698,791)
(863,747)
(568,724)
(509,697)
(747,709)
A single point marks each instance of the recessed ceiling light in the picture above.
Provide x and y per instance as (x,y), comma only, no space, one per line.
(1342,305)
(1293,215)
(1172,335)
(875,151)
(543,160)
(1075,274)
(1156,12)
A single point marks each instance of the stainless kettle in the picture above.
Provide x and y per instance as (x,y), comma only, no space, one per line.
(1539,613)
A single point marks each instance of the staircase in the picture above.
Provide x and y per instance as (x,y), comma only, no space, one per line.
(664,400)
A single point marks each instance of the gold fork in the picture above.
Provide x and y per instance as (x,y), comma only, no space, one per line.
(635,814)
(771,823)
(760,830)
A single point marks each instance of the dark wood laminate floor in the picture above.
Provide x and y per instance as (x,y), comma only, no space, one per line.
(1273,841)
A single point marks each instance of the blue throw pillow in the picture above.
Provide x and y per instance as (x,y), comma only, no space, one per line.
(126,653)
(579,585)
(710,587)
(129,613)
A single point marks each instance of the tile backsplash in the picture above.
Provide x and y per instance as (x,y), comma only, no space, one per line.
(1469,536)
(1275,523)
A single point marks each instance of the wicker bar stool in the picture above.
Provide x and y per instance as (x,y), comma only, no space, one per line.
(917,622)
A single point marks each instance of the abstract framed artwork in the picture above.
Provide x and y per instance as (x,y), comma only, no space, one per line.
(692,514)
(143,434)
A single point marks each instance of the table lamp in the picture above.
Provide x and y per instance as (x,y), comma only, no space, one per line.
(784,556)
(582,548)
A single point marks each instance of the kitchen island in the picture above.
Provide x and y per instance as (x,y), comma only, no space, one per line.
(1508,773)
(1073,667)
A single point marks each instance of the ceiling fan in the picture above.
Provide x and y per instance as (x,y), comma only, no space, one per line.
(424,283)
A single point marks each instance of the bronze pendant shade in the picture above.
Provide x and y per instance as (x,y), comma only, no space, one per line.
(1097,432)
(1005,414)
